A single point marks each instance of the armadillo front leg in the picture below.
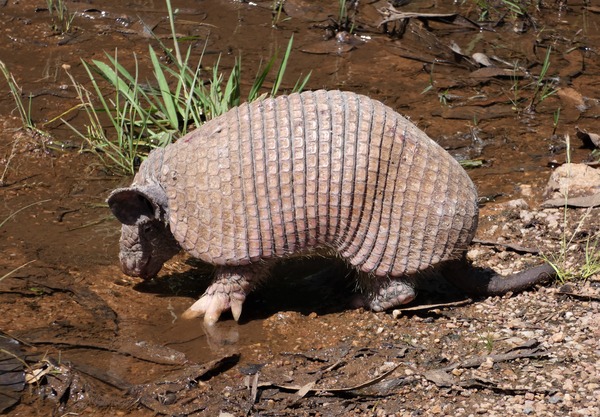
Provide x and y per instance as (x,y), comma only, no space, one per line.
(228,291)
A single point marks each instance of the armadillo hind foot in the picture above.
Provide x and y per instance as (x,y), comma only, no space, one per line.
(227,291)
(386,294)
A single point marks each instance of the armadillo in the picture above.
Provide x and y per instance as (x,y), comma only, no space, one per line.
(311,171)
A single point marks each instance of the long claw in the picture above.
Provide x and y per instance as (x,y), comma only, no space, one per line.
(236,308)
(196,310)
(217,305)
(209,306)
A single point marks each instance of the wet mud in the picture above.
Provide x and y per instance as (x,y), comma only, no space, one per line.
(96,342)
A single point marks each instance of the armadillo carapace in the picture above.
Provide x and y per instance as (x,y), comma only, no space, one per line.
(293,174)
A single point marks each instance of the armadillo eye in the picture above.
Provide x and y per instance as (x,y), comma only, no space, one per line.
(146,228)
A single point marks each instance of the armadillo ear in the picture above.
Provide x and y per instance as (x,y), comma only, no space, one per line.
(135,204)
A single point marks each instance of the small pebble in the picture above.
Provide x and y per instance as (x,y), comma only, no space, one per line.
(568,385)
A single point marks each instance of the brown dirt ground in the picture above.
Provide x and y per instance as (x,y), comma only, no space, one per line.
(112,345)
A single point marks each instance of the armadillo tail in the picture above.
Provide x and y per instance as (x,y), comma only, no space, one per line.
(480,281)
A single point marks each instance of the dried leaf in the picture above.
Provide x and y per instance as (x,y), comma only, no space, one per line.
(514,353)
(398,312)
(491,72)
(254,391)
(482,59)
(394,15)
(306,389)
(511,246)
(299,388)
(577,202)
(440,378)
(578,296)
(454,46)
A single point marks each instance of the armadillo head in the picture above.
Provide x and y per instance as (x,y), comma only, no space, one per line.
(146,240)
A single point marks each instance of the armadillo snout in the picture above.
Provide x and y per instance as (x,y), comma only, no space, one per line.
(137,253)
(129,269)
(138,265)
(145,247)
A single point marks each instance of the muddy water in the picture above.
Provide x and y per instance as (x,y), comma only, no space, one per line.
(72,301)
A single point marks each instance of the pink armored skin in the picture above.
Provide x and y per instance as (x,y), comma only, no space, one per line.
(317,170)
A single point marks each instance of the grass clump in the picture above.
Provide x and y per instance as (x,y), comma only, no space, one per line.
(591,264)
(23,109)
(277,12)
(145,114)
(542,87)
(499,9)
(17,93)
(346,18)
(62,19)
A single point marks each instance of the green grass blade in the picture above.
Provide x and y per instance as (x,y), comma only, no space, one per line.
(173,32)
(282,67)
(301,83)
(167,99)
(259,80)
(232,89)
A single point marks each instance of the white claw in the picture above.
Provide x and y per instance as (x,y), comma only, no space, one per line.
(197,309)
(190,314)
(214,310)
(210,320)
(236,308)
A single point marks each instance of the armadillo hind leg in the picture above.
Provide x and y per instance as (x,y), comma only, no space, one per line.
(227,291)
(384,293)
